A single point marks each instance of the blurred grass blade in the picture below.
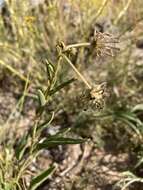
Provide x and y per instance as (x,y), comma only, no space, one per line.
(55,141)
(134,127)
(21,147)
(139,163)
(15,72)
(38,180)
(132,117)
(138,107)
(62,131)
(46,123)
(24,94)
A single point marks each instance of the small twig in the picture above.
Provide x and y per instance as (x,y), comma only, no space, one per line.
(77,72)
(78,45)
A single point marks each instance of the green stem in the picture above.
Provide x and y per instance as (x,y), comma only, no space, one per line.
(25,165)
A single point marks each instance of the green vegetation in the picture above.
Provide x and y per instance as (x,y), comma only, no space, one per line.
(71,94)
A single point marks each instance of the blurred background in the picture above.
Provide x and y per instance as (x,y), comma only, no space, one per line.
(112,156)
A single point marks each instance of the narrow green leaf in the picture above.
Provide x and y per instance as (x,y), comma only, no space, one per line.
(45,124)
(54,141)
(134,128)
(41,97)
(50,69)
(66,83)
(131,117)
(38,180)
(21,147)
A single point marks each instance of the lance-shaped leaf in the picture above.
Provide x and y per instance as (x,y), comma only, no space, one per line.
(64,84)
(41,97)
(45,124)
(50,69)
(22,145)
(38,180)
(54,141)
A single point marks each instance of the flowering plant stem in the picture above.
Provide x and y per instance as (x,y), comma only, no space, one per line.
(76,71)
(78,45)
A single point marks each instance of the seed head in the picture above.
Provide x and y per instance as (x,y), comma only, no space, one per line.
(104,44)
(94,98)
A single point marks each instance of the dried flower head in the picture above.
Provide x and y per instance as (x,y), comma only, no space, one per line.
(94,98)
(104,44)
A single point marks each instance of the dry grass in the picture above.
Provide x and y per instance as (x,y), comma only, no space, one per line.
(43,51)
